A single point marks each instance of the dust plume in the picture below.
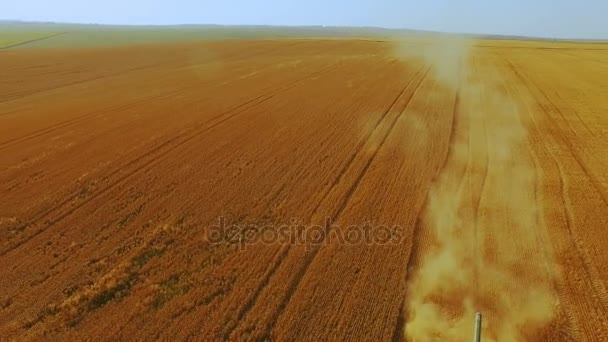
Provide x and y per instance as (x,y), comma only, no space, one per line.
(446,55)
(480,245)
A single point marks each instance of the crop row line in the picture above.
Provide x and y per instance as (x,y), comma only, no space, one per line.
(120,107)
(310,257)
(156,154)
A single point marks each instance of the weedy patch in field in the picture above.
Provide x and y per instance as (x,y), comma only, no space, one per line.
(142,259)
(116,292)
(175,285)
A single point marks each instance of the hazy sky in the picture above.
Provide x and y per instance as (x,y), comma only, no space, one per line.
(550,18)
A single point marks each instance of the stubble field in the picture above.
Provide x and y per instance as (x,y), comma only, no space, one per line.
(137,185)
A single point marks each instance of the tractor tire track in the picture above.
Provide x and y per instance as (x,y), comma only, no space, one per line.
(598,291)
(476,231)
(310,257)
(360,146)
(455,123)
(545,245)
(285,249)
(599,288)
(416,237)
(560,137)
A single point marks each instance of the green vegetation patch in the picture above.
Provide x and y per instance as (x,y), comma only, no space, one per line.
(175,285)
(14,37)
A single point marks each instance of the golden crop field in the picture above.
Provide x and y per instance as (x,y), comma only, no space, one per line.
(305,189)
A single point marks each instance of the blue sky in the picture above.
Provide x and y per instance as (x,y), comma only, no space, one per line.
(549,18)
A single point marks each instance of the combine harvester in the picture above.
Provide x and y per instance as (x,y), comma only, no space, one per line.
(477,327)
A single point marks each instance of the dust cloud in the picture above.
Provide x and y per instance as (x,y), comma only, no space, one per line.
(481,240)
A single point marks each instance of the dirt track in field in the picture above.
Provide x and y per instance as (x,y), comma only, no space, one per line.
(145,190)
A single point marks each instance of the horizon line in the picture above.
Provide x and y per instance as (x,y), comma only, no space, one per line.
(469,34)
